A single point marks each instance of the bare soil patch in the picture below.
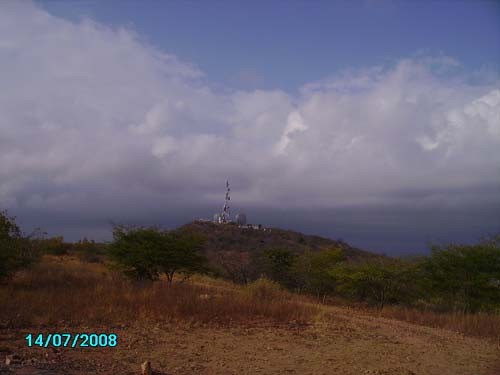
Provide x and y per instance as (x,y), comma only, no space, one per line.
(345,344)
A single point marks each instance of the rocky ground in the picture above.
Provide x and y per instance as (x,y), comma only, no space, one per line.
(342,342)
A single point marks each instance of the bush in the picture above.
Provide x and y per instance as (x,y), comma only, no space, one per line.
(465,277)
(376,282)
(54,246)
(313,271)
(10,235)
(89,251)
(278,265)
(16,250)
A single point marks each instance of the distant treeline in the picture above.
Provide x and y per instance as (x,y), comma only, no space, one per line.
(86,250)
(454,277)
(19,250)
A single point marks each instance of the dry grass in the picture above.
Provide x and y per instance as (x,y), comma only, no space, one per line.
(485,325)
(71,292)
(479,325)
(67,291)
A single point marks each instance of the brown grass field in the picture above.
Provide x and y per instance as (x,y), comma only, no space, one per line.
(209,326)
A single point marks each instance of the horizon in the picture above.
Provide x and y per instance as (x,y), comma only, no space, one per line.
(377,123)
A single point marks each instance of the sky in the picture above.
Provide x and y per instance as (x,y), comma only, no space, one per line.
(377,122)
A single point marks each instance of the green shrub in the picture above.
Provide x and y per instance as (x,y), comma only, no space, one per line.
(312,271)
(278,265)
(376,282)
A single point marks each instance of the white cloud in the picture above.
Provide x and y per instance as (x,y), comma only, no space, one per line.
(95,119)
(295,125)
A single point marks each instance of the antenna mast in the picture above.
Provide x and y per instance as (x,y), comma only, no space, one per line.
(225,214)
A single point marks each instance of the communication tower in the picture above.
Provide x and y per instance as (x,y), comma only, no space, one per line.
(225,214)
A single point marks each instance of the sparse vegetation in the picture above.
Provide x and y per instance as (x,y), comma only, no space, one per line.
(67,290)
(94,295)
(220,319)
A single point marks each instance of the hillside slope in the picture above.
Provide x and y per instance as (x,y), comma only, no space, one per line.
(206,326)
(343,341)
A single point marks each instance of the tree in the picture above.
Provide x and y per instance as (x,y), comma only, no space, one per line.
(182,254)
(146,253)
(10,235)
(465,277)
(16,250)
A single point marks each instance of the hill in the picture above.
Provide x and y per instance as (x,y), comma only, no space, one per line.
(231,237)
(235,252)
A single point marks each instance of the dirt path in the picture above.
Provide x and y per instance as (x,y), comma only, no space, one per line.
(343,343)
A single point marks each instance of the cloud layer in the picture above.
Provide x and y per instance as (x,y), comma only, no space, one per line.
(95,122)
